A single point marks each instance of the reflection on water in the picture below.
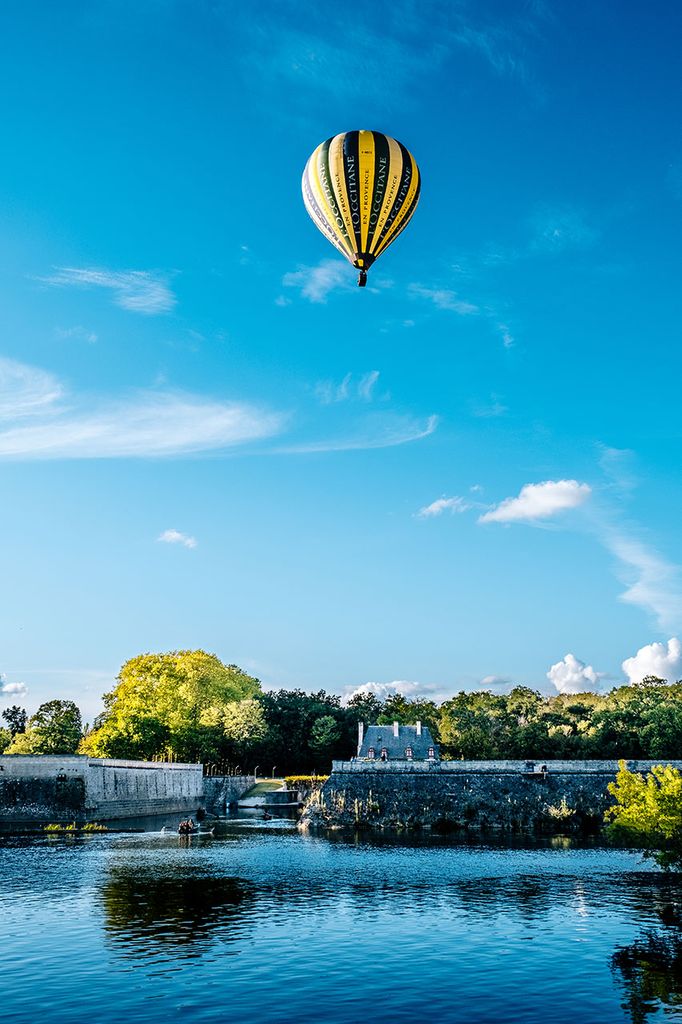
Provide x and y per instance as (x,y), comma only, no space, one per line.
(165,906)
(262,924)
(649,970)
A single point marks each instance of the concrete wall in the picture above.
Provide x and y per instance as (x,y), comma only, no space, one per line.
(222,790)
(469,795)
(64,788)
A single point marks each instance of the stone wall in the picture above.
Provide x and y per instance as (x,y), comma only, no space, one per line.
(222,790)
(66,788)
(473,795)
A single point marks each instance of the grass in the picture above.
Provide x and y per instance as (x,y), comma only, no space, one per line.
(267,786)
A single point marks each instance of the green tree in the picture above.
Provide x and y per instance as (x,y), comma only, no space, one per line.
(648,812)
(5,739)
(55,728)
(170,704)
(16,719)
(244,726)
(325,734)
(27,742)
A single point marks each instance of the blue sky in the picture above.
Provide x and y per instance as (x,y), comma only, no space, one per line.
(209,437)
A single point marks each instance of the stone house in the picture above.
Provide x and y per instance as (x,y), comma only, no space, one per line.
(396,743)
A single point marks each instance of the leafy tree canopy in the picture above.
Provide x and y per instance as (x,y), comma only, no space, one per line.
(648,812)
(56,728)
(175,703)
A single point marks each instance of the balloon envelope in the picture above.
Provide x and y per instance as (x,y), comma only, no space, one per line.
(361,189)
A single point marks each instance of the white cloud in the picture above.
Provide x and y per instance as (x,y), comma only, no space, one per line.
(25,390)
(175,537)
(506,335)
(538,501)
(440,505)
(662,660)
(496,684)
(490,410)
(405,687)
(329,392)
(37,422)
(317,283)
(651,582)
(12,689)
(570,675)
(140,291)
(78,332)
(443,298)
(379,432)
(367,384)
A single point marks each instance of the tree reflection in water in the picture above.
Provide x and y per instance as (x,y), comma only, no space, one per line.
(147,911)
(649,970)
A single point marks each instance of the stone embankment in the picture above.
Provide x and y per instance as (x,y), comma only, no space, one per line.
(500,796)
(42,789)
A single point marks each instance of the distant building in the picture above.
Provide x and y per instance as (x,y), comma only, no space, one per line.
(396,743)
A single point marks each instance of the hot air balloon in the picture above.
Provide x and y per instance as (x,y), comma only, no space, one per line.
(361,189)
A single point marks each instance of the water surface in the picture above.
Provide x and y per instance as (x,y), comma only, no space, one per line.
(262,924)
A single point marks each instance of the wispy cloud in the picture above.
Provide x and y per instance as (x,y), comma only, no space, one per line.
(25,390)
(330,392)
(496,684)
(318,282)
(443,298)
(326,54)
(538,501)
(38,422)
(385,431)
(367,384)
(491,409)
(441,505)
(140,291)
(78,332)
(558,229)
(176,537)
(651,581)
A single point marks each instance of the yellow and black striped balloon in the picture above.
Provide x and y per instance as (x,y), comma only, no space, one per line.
(361,189)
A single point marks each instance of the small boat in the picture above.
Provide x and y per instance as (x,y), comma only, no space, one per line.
(166,831)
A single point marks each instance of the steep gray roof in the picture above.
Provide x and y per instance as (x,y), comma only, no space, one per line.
(383,737)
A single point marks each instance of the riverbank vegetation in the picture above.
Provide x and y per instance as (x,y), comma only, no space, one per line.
(189,706)
(648,813)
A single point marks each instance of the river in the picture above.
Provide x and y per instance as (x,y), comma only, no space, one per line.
(263,924)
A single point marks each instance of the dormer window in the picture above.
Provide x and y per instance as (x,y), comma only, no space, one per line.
(409,753)
(384,754)
(432,753)
(371,753)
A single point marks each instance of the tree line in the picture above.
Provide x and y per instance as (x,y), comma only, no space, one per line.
(189,706)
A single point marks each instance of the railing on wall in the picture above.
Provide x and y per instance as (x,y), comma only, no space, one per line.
(223,768)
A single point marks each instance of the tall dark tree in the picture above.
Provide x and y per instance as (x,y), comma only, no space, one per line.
(16,719)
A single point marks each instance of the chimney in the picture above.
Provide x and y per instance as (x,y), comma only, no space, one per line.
(396,727)
(361,736)
(419,728)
